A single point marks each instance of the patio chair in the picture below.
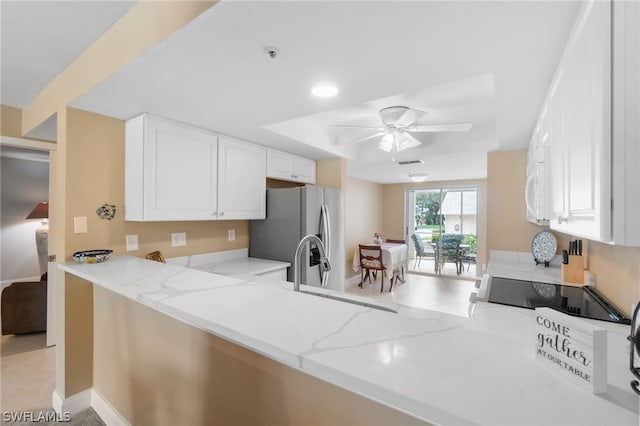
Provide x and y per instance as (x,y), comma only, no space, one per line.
(421,250)
(448,250)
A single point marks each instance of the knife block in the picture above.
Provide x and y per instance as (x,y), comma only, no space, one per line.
(573,272)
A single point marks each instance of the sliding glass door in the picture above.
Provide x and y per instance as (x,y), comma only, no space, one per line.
(442,230)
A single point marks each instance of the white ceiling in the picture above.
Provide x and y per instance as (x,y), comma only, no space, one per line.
(488,63)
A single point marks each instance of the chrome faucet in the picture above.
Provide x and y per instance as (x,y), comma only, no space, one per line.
(324,261)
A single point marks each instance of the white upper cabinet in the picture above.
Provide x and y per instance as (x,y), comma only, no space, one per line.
(537,191)
(176,172)
(586,116)
(170,171)
(241,180)
(285,166)
(592,184)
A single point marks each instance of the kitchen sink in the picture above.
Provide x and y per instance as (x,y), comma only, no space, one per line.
(352,301)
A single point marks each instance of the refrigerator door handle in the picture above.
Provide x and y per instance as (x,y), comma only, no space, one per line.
(325,223)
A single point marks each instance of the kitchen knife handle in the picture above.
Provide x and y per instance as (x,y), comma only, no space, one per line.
(579,247)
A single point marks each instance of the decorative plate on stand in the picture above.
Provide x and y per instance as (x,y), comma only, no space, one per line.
(543,247)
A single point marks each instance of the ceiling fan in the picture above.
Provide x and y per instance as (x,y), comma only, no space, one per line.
(399,124)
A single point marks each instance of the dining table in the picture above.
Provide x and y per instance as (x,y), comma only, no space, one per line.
(394,258)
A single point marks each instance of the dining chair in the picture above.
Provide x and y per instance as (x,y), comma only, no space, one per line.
(371,261)
(405,265)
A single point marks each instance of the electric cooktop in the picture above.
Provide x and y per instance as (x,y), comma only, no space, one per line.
(582,302)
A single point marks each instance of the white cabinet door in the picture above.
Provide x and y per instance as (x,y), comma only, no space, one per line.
(289,167)
(241,180)
(170,171)
(587,127)
(557,150)
(303,170)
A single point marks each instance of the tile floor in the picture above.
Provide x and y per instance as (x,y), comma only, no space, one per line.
(437,293)
(28,371)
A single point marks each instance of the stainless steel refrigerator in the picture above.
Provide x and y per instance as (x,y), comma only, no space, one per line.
(293,213)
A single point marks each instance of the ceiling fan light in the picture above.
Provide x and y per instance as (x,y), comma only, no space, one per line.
(418,177)
(386,143)
(406,143)
(324,90)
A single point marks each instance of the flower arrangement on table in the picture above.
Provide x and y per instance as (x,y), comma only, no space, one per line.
(377,238)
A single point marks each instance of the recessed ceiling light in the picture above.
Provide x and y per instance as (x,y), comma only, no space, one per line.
(324,90)
(418,177)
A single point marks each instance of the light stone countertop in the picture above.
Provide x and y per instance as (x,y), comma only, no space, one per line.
(521,266)
(441,368)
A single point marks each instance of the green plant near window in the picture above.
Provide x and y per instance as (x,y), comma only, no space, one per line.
(471,241)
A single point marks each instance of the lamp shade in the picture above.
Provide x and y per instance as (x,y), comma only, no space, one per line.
(40,211)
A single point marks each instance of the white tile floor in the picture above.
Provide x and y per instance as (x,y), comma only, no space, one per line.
(437,293)
(28,372)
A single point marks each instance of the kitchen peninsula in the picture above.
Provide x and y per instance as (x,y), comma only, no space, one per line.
(176,345)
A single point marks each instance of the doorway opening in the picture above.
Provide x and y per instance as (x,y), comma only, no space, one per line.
(442,226)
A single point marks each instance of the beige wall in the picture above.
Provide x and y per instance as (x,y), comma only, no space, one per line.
(155,370)
(394,207)
(10,121)
(364,216)
(617,268)
(331,172)
(507,225)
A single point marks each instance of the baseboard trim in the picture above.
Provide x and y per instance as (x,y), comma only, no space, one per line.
(74,404)
(353,280)
(88,398)
(107,413)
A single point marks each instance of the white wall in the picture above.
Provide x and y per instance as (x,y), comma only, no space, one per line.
(24,183)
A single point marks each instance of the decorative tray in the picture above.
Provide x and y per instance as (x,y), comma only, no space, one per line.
(92,256)
(543,247)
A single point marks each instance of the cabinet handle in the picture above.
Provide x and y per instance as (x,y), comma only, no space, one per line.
(294,176)
(214,214)
(563,219)
(221,214)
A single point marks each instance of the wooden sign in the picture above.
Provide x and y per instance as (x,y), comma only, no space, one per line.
(573,348)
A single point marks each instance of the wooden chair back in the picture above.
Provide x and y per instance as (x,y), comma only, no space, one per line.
(370,257)
(389,240)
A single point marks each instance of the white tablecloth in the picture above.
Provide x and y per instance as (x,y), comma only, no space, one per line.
(393,256)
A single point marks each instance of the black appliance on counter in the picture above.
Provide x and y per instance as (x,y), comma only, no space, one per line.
(582,302)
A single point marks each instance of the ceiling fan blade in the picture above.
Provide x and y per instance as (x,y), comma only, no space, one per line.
(410,116)
(349,126)
(450,127)
(366,138)
(408,142)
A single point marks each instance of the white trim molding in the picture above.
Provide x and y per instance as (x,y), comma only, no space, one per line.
(88,398)
(107,413)
(74,404)
(28,143)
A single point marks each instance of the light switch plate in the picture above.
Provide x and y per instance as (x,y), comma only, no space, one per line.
(132,242)
(80,225)
(231,234)
(178,239)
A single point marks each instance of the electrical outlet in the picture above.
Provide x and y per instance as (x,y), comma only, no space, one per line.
(178,239)
(589,278)
(80,225)
(132,242)
(231,235)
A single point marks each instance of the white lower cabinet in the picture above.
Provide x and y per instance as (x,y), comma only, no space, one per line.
(241,180)
(289,167)
(176,172)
